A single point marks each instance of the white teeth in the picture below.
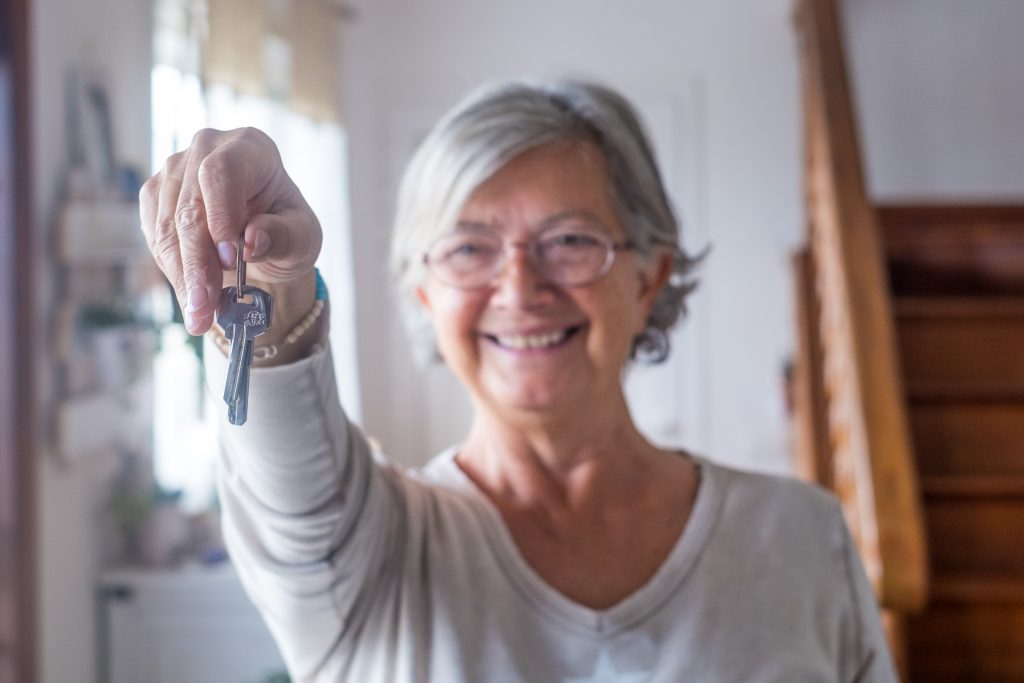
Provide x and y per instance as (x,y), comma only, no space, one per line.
(533,341)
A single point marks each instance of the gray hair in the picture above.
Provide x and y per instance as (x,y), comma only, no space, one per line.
(499,122)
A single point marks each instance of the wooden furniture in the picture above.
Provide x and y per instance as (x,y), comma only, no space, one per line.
(910,389)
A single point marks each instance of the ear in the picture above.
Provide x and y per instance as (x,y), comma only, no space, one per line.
(653,278)
(423,298)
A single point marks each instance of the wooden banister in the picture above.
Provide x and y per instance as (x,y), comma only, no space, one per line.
(814,461)
(873,471)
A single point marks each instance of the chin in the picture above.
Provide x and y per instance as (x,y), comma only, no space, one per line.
(530,399)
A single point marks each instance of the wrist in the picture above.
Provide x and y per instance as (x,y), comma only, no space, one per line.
(299,321)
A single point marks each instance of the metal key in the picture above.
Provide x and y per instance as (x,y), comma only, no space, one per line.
(243,320)
(244,313)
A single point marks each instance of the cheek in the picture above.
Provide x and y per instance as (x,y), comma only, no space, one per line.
(635,307)
(623,317)
(454,315)
(641,321)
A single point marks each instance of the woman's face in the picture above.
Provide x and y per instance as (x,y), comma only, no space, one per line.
(523,342)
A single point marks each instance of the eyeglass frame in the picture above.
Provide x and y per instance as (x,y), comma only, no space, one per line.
(611,246)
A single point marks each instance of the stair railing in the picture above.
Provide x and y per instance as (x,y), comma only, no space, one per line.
(867,428)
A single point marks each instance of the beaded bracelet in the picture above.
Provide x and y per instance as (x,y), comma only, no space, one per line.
(268,351)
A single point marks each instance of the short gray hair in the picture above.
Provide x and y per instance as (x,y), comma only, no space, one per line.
(499,122)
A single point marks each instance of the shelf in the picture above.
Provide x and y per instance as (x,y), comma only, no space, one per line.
(102,233)
(102,421)
(100,342)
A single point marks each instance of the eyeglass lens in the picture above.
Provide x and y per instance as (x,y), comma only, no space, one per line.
(568,255)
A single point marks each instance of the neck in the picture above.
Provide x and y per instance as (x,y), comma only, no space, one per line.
(567,459)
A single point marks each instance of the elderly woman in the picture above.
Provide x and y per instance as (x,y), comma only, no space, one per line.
(554,542)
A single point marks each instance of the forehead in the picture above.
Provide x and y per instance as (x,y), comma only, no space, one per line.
(554,178)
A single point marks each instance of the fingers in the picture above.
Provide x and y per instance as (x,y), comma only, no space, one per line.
(159,201)
(200,265)
(148,203)
(237,180)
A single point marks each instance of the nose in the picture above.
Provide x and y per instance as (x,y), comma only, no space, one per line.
(521,284)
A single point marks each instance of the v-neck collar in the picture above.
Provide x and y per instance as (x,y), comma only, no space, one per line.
(632,609)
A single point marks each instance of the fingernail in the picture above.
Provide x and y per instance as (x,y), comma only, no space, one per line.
(192,323)
(197,298)
(188,320)
(226,252)
(260,243)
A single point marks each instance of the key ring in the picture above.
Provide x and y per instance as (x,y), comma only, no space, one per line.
(240,271)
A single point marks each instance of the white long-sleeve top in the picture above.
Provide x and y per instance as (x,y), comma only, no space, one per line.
(365,573)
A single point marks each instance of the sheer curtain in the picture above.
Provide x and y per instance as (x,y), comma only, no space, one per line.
(269,64)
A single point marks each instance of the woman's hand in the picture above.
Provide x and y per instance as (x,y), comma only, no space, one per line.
(226,184)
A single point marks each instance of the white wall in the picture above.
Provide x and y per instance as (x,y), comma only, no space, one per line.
(114,35)
(940,88)
(720,81)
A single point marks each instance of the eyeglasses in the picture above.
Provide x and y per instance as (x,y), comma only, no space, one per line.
(570,255)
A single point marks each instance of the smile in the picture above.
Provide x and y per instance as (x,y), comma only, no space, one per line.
(533,341)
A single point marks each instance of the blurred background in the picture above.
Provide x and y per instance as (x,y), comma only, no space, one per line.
(107,481)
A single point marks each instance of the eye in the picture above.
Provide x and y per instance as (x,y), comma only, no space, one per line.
(467,249)
(571,240)
(463,250)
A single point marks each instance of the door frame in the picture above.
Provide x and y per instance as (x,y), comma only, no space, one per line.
(17,395)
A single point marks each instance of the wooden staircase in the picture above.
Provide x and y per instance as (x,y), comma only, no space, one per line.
(910,390)
(957,281)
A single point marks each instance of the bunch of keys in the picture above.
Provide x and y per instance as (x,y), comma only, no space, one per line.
(243,314)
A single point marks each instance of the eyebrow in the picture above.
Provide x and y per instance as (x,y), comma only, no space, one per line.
(544,224)
(572,213)
(473,225)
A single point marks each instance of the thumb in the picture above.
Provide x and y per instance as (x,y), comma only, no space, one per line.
(282,246)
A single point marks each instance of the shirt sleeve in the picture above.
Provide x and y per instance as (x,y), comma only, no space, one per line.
(309,516)
(867,658)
